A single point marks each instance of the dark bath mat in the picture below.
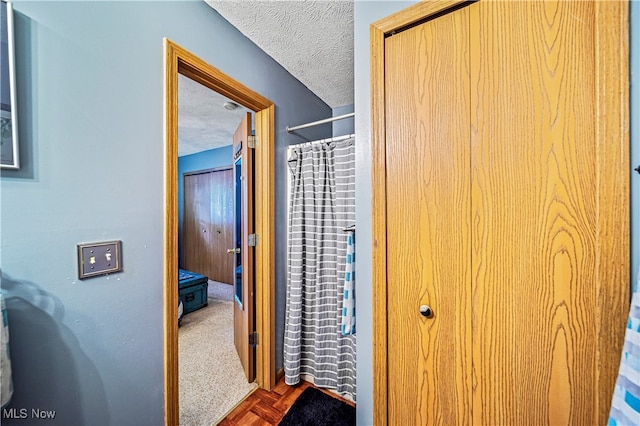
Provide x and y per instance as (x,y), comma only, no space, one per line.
(315,408)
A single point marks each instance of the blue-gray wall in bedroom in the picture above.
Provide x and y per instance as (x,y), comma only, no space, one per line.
(365,13)
(634,48)
(90,92)
(204,160)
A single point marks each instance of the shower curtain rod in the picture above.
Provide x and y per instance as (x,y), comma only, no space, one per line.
(315,123)
(334,139)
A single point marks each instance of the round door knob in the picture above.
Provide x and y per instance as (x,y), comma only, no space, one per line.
(426,311)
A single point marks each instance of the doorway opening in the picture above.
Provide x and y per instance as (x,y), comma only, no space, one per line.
(180,61)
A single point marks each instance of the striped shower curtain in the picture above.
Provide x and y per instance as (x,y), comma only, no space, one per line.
(322,205)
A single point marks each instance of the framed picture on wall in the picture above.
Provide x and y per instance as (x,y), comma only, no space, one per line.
(9,158)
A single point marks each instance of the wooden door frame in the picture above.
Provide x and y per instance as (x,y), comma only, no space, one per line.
(611,73)
(178,60)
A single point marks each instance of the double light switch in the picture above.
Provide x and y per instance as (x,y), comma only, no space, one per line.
(99,258)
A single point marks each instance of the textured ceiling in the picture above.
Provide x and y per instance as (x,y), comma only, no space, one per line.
(313,40)
(203,122)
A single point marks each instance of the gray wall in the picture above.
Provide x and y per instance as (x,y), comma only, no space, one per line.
(366,12)
(346,125)
(90,92)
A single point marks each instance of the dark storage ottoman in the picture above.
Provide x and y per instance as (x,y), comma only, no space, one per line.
(192,290)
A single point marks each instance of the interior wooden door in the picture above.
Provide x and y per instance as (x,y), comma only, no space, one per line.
(222,225)
(196,223)
(546,241)
(428,222)
(243,308)
(506,212)
(208,223)
(221,233)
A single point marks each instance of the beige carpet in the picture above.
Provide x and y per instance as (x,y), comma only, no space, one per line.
(212,381)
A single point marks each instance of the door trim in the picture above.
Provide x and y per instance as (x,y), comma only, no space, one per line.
(178,60)
(612,130)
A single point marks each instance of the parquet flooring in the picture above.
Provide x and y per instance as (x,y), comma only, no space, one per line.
(264,408)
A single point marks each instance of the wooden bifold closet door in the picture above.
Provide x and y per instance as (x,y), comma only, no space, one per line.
(428,229)
(506,167)
(208,223)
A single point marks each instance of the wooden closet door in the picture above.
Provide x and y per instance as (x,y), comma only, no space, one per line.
(222,220)
(428,219)
(548,209)
(197,223)
(208,224)
(505,209)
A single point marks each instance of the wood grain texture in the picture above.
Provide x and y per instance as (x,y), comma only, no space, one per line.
(428,222)
(549,220)
(534,203)
(537,255)
(179,60)
(612,139)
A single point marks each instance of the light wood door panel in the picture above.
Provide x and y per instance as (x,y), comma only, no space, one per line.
(534,176)
(505,209)
(197,221)
(428,219)
(222,225)
(208,224)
